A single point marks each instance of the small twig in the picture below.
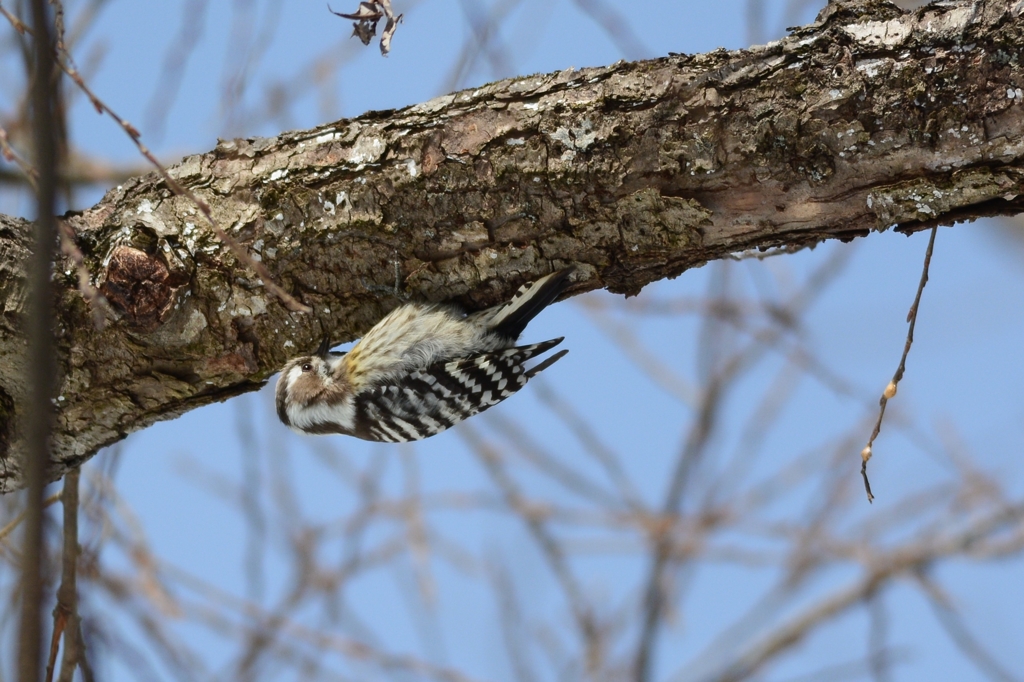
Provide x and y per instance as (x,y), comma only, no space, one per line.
(173,69)
(236,248)
(66,64)
(9,528)
(553,550)
(9,153)
(97,302)
(17,23)
(68,247)
(616,26)
(58,24)
(65,613)
(955,627)
(890,390)
(878,656)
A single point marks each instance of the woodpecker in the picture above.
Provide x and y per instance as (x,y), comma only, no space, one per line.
(420,370)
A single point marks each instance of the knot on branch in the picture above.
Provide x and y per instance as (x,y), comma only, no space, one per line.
(142,286)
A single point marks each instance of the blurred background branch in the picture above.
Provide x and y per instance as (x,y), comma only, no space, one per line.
(680,504)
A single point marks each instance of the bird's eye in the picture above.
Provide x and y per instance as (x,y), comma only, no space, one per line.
(307,367)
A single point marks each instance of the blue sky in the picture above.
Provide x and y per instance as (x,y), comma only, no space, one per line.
(181,478)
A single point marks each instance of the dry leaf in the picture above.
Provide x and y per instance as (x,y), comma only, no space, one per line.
(389,30)
(365,25)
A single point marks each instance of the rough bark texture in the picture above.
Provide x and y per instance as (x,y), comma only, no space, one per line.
(870,118)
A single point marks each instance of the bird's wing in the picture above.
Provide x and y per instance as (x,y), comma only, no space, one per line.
(433,399)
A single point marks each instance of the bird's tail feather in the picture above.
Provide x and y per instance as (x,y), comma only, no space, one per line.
(534,371)
(512,318)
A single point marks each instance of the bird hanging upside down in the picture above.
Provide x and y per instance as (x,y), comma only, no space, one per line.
(420,370)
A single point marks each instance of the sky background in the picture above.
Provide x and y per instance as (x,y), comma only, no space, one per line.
(181,479)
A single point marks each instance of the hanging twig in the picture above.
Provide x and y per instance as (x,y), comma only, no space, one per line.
(890,390)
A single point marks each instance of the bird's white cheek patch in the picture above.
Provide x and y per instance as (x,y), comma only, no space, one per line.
(342,414)
(293,375)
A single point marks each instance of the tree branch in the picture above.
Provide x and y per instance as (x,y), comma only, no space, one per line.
(869,119)
(40,367)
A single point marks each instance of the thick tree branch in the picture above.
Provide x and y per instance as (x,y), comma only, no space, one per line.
(869,119)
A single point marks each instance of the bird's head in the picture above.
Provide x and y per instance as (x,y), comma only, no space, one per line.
(311,380)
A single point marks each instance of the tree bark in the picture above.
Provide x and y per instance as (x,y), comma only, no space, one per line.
(869,119)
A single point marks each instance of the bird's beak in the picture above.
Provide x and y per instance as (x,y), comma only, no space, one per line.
(325,347)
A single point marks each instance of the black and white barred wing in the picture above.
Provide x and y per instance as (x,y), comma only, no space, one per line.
(431,400)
